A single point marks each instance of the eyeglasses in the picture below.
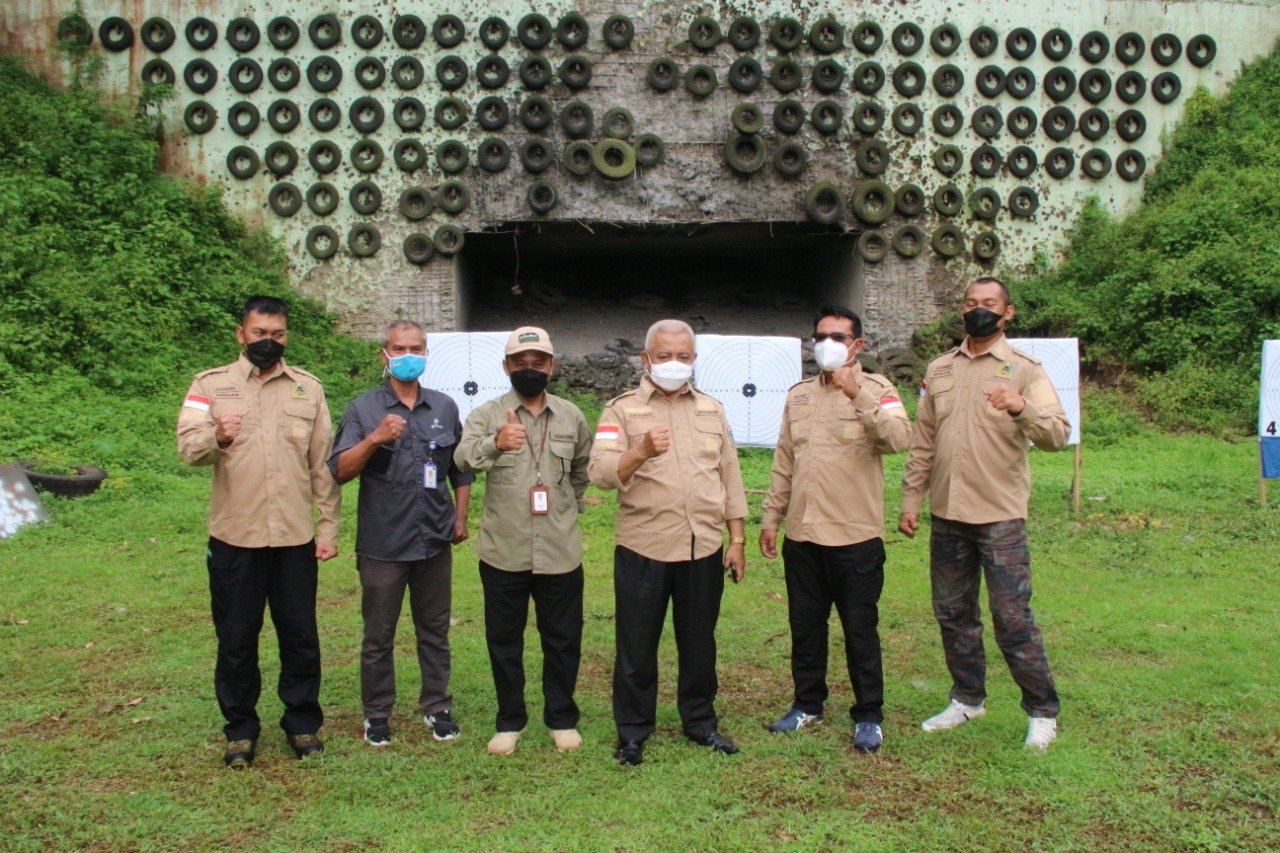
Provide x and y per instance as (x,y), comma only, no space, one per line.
(838,337)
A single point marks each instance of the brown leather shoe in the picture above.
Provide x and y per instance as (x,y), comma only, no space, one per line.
(239,754)
(304,745)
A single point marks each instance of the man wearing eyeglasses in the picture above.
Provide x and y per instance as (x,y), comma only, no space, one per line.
(828,483)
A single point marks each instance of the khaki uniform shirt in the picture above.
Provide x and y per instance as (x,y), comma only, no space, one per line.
(970,456)
(267,480)
(676,504)
(828,469)
(511,537)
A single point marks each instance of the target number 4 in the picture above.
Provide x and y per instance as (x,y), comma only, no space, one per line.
(1271,428)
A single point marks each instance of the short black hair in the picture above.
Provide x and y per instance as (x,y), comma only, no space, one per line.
(990,279)
(839,311)
(264,305)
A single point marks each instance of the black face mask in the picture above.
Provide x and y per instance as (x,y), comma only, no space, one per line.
(264,353)
(528,382)
(981,323)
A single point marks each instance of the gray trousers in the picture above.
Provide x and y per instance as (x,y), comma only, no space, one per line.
(430,597)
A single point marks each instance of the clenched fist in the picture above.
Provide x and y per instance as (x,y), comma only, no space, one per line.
(512,435)
(846,379)
(1006,399)
(391,428)
(656,442)
(228,428)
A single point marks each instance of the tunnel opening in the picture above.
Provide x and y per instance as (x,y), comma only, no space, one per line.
(592,283)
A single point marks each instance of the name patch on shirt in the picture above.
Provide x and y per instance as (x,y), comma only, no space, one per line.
(706,410)
(640,412)
(227,392)
(942,370)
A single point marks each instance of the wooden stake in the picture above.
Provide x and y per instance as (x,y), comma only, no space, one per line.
(1075,484)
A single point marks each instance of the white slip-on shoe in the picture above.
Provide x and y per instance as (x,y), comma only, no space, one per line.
(504,743)
(1041,731)
(566,740)
(955,714)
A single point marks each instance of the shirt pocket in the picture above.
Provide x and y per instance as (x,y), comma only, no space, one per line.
(300,417)
(709,435)
(849,430)
(943,392)
(503,472)
(560,462)
(800,423)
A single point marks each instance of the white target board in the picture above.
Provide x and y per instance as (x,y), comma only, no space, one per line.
(467,366)
(750,376)
(1269,410)
(1061,360)
(19,503)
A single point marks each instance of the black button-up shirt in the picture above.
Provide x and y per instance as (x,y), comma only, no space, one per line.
(399,518)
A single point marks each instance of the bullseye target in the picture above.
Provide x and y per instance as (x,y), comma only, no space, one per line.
(750,376)
(1269,410)
(1060,358)
(467,366)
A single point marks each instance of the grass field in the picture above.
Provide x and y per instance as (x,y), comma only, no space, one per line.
(1159,604)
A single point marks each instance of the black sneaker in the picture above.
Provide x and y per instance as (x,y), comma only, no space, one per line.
(442,725)
(377,732)
(716,741)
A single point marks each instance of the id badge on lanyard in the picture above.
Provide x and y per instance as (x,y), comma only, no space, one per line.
(430,470)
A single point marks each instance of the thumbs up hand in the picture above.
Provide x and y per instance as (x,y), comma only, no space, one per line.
(512,434)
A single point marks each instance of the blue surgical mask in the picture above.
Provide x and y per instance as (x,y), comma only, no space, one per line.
(407,367)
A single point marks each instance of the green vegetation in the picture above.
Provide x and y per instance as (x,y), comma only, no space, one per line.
(1158,601)
(1182,292)
(1158,605)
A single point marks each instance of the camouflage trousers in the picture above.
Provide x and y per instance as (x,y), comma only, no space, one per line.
(960,555)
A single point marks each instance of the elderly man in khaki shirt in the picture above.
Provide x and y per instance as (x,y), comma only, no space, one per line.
(668,450)
(264,427)
(533,447)
(981,404)
(828,483)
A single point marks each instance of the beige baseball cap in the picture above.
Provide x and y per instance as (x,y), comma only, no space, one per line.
(527,338)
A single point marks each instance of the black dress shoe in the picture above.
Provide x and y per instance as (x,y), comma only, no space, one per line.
(629,752)
(716,741)
(304,745)
(239,754)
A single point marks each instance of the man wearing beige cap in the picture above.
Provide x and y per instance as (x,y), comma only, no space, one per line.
(534,448)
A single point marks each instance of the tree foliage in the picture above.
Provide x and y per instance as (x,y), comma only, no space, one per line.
(1192,278)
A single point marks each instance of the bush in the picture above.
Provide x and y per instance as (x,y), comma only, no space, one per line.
(1190,282)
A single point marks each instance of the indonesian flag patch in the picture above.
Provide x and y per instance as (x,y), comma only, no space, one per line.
(890,402)
(195,401)
(607,432)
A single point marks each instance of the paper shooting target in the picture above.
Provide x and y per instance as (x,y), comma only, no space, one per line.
(467,366)
(1061,360)
(1269,403)
(750,377)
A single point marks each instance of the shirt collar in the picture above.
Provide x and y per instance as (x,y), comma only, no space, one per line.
(390,398)
(999,349)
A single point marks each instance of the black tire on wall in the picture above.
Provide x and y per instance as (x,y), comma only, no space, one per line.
(364,240)
(1022,161)
(872,157)
(1023,202)
(200,117)
(788,116)
(790,159)
(200,75)
(613,158)
(365,197)
(322,242)
(157,34)
(322,198)
(494,32)
(1060,162)
(324,31)
(534,31)
(243,34)
(984,41)
(284,199)
(1094,47)
(409,113)
(868,117)
(908,241)
(416,203)
(367,32)
(945,39)
(243,162)
(448,31)
(1056,44)
(947,240)
(418,248)
(823,203)
(744,33)
(283,33)
(408,32)
(324,114)
(650,150)
(618,32)
(872,201)
(542,197)
(494,154)
(872,246)
(116,34)
(324,156)
(867,37)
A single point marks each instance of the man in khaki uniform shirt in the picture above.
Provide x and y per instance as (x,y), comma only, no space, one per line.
(980,405)
(534,447)
(264,427)
(668,451)
(828,482)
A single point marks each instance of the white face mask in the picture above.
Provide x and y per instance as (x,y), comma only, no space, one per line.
(830,355)
(670,375)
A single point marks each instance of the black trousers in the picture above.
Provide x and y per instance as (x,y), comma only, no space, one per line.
(642,588)
(242,581)
(851,577)
(557,601)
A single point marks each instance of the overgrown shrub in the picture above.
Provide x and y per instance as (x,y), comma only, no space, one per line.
(1184,290)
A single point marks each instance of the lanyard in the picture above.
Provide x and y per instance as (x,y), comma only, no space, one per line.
(542,446)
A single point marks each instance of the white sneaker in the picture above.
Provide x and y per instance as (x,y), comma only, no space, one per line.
(566,740)
(1041,732)
(955,714)
(504,743)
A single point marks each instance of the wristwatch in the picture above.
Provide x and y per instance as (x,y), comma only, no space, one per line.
(737,540)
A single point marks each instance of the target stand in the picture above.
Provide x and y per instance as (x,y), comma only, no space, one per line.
(467,366)
(1060,358)
(750,376)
